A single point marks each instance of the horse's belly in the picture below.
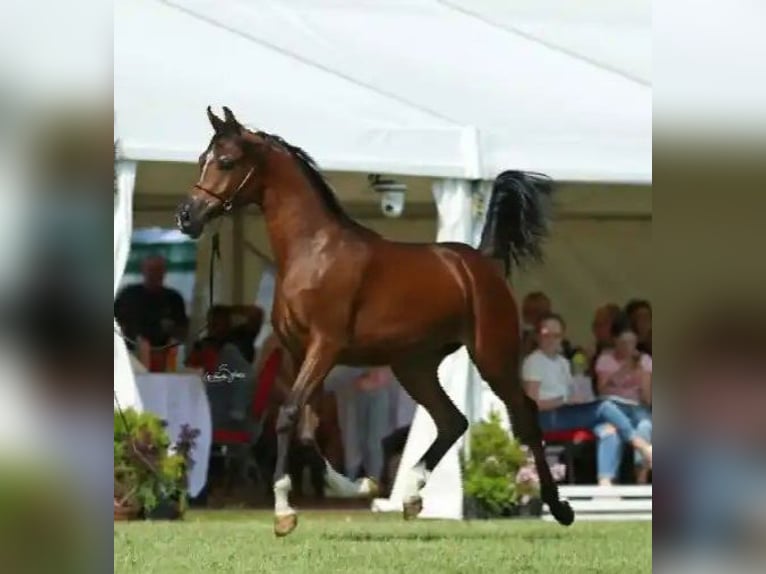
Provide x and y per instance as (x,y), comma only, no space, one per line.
(385,341)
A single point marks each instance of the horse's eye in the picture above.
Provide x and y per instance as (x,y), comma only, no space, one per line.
(225,162)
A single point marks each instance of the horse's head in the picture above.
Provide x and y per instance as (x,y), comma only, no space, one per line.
(231,174)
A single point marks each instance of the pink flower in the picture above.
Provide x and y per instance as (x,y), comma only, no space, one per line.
(527,475)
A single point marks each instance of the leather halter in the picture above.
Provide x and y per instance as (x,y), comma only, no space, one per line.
(227,203)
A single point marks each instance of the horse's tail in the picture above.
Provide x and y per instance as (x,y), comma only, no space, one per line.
(517,218)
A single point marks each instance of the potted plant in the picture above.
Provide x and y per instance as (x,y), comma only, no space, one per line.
(499,476)
(149,475)
(171,495)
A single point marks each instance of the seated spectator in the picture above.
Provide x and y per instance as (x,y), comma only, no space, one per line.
(535,306)
(229,399)
(624,376)
(205,352)
(222,330)
(548,380)
(151,312)
(603,319)
(245,325)
(639,312)
(601,328)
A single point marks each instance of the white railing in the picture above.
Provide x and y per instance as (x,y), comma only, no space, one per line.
(607,503)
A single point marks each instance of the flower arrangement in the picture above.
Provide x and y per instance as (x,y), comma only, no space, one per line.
(499,474)
(148,470)
(528,481)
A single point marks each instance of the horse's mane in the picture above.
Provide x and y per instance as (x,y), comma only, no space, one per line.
(317,179)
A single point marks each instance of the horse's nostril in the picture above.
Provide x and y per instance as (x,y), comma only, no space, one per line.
(183,220)
(185,215)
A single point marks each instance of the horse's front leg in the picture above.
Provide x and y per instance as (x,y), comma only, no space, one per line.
(318,362)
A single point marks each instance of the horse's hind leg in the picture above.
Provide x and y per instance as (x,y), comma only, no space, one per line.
(499,366)
(419,377)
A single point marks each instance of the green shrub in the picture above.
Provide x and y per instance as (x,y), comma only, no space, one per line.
(489,472)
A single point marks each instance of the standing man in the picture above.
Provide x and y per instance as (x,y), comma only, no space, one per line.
(371,403)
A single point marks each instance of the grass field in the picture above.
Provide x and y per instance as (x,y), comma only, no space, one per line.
(231,541)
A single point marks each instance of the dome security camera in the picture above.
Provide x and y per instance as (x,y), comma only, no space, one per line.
(392,195)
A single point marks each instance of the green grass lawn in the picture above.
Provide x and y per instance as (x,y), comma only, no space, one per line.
(227,541)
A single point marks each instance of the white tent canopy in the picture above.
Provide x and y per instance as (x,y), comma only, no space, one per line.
(421,87)
(457,89)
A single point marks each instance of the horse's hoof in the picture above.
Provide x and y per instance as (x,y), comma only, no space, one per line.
(563,513)
(412,507)
(369,487)
(284,524)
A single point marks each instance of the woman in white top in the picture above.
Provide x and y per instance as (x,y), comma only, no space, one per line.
(548,380)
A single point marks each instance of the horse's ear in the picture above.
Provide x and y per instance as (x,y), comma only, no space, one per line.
(231,121)
(218,124)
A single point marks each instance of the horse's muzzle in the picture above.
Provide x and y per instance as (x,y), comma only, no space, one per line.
(189,220)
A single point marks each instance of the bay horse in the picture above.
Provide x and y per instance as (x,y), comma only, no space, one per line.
(345,295)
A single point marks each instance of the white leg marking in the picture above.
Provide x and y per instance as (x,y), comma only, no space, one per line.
(416,480)
(282,489)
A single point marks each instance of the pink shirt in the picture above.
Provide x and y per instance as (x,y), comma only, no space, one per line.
(627,385)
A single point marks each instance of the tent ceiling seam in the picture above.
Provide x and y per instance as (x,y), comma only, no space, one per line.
(529,37)
(302,59)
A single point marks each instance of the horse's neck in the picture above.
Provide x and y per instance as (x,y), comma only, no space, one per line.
(295,217)
(298,218)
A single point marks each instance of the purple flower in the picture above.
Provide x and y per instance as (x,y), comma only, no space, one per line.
(186,443)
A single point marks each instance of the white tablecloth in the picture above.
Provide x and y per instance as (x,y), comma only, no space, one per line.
(179,399)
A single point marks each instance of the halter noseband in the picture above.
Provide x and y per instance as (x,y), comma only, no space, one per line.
(227,203)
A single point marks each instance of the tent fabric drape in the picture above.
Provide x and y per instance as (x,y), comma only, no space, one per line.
(124,382)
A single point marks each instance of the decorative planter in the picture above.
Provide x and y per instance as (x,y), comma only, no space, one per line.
(166,509)
(127,510)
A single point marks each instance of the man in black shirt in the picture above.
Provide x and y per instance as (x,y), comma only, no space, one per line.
(151,310)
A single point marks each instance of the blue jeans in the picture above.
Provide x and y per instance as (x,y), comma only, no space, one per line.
(640,418)
(592,416)
(372,424)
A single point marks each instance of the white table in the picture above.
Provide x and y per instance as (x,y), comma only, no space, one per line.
(178,399)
